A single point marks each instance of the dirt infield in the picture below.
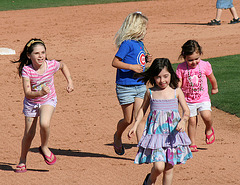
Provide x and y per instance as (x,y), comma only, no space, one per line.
(83,125)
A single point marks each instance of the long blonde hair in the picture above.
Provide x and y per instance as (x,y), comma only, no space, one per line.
(133,28)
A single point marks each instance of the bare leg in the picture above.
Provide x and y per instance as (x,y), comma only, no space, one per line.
(207,119)
(219,14)
(123,124)
(167,174)
(234,13)
(192,129)
(29,133)
(137,105)
(157,169)
(140,130)
(46,112)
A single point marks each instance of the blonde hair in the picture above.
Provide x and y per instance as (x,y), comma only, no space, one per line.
(133,28)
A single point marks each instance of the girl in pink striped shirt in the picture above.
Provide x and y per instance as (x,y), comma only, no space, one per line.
(40,97)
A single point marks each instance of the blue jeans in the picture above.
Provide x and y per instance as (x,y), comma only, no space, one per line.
(127,94)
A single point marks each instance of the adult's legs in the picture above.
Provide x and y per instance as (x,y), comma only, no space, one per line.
(46,112)
(219,14)
(234,12)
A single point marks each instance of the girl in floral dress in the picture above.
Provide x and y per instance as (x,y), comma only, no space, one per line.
(164,141)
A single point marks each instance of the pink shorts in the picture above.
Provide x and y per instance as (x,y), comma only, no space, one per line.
(32,109)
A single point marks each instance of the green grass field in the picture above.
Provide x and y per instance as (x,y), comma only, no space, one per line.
(32,4)
(226,70)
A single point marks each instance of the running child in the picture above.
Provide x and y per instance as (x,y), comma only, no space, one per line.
(164,141)
(193,74)
(40,97)
(130,58)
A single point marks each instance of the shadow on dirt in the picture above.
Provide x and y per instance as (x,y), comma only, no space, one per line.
(79,153)
(8,167)
(185,23)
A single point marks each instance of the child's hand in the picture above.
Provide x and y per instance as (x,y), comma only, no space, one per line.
(181,126)
(149,58)
(137,68)
(131,133)
(45,90)
(70,87)
(214,91)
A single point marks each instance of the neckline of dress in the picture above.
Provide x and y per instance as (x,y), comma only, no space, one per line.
(164,99)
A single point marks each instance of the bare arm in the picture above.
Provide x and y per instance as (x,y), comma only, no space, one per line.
(213,81)
(117,63)
(63,67)
(186,112)
(140,114)
(180,83)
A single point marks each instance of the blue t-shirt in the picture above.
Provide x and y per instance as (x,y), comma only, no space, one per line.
(131,52)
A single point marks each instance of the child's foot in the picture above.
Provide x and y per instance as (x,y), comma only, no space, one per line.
(51,159)
(118,147)
(210,136)
(214,22)
(146,179)
(193,148)
(21,168)
(235,21)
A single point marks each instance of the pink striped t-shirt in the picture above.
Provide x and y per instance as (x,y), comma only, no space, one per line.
(37,81)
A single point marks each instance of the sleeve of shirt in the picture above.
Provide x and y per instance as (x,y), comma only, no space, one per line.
(24,72)
(208,68)
(178,72)
(56,65)
(123,50)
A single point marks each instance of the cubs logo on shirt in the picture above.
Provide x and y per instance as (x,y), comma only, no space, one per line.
(141,58)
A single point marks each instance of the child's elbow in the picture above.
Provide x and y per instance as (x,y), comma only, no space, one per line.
(114,62)
(113,65)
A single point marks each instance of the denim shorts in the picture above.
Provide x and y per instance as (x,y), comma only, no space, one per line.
(198,107)
(32,109)
(224,4)
(127,94)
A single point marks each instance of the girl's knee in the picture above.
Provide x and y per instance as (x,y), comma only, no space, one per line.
(127,121)
(45,125)
(192,121)
(206,116)
(158,167)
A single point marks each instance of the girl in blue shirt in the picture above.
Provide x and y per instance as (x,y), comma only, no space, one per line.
(131,58)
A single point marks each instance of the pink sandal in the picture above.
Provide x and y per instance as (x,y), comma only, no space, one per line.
(46,157)
(193,148)
(21,169)
(209,136)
